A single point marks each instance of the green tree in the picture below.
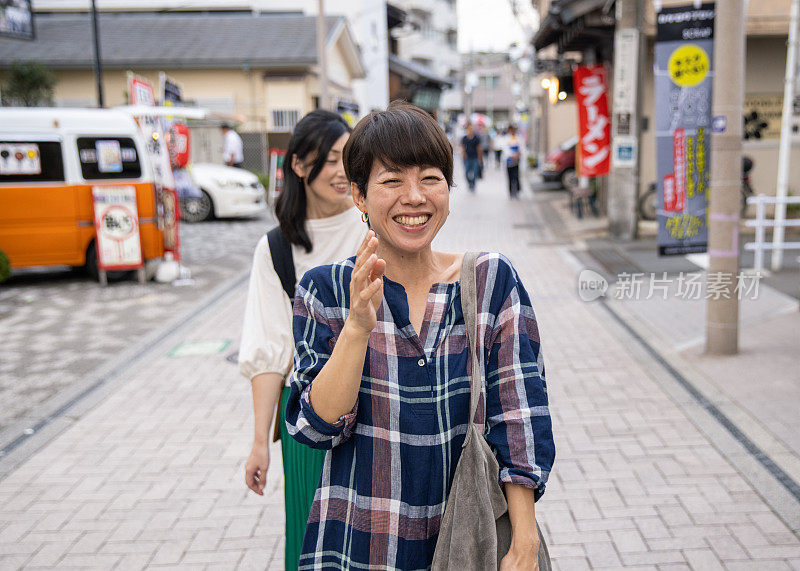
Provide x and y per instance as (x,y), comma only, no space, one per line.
(30,84)
(5,267)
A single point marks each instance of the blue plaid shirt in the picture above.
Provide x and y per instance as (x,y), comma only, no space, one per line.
(391,460)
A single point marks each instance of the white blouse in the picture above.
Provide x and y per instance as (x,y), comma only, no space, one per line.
(267,344)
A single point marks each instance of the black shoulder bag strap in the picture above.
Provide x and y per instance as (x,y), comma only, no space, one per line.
(282,260)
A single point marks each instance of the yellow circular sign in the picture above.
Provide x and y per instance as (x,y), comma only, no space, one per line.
(688,65)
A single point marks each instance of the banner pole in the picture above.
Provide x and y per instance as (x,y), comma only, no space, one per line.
(722,308)
(785,148)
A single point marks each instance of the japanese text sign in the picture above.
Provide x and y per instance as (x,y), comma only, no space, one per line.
(116,221)
(683,79)
(595,126)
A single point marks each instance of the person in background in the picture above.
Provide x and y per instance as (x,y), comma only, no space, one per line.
(511,152)
(498,140)
(232,149)
(472,154)
(486,144)
(317,218)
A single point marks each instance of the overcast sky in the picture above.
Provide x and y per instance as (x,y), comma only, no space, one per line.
(489,25)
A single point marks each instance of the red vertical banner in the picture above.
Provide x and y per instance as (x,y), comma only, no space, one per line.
(679,165)
(595,127)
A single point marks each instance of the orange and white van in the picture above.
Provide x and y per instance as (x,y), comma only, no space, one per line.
(50,158)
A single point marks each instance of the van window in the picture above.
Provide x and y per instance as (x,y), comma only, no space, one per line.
(31,161)
(108,157)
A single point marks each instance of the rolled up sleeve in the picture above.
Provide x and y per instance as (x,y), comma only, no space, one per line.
(314,341)
(519,428)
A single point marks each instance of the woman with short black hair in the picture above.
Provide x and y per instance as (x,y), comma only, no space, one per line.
(381,377)
(319,225)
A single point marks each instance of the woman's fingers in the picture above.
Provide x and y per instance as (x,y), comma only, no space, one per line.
(378,269)
(363,249)
(371,248)
(364,242)
(369,292)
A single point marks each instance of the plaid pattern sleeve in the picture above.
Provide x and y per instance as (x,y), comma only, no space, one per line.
(390,462)
(517,412)
(315,340)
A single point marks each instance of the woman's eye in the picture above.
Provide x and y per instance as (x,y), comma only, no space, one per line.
(432,177)
(391,181)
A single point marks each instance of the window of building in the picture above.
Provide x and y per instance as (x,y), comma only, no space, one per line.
(108,157)
(423,61)
(31,161)
(285,119)
(452,38)
(490,81)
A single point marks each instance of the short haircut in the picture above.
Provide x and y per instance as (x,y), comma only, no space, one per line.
(400,137)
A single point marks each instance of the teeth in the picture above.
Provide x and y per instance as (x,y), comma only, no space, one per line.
(412,220)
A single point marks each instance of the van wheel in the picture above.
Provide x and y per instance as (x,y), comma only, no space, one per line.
(93,271)
(569,179)
(197,209)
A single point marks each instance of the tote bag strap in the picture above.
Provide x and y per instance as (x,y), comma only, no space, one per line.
(469,307)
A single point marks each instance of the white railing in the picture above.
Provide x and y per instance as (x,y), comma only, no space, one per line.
(761,223)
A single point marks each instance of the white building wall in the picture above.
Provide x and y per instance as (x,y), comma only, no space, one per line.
(431,43)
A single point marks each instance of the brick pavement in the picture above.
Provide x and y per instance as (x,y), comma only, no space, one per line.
(40,326)
(151,476)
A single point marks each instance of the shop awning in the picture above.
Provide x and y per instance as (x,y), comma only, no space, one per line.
(574,24)
(416,72)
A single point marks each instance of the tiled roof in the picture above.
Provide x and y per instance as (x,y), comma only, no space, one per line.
(153,40)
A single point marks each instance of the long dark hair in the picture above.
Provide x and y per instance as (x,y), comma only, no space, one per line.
(312,138)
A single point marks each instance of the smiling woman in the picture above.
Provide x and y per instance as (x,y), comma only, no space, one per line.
(381,376)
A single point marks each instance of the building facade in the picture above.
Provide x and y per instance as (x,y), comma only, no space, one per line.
(574,31)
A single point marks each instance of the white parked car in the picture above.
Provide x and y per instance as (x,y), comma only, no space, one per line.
(225,192)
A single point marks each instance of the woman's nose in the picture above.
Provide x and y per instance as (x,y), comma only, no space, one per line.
(414,194)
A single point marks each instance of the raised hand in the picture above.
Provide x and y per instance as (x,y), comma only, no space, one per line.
(366,286)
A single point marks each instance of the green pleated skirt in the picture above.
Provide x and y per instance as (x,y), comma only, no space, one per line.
(302,468)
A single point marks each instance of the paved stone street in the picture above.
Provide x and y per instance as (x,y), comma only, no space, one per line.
(148,471)
(59,327)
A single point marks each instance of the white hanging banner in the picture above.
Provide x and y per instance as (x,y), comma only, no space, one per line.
(116,220)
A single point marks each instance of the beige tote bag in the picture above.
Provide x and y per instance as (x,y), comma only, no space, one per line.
(475,532)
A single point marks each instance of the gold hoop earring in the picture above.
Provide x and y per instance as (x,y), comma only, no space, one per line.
(365,218)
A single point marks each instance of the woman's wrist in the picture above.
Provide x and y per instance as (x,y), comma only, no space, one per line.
(352,332)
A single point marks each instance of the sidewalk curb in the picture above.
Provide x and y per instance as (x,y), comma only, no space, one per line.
(18,443)
(763,460)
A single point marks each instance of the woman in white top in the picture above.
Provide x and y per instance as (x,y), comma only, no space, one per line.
(317,217)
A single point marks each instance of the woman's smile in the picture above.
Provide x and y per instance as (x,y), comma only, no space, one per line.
(412,222)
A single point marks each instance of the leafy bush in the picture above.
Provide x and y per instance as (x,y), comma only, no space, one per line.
(5,267)
(29,84)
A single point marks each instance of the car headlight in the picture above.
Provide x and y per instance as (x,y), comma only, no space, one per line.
(549,166)
(231,184)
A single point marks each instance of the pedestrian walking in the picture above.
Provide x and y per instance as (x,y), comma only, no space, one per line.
(511,153)
(381,377)
(232,147)
(471,152)
(486,143)
(498,140)
(318,224)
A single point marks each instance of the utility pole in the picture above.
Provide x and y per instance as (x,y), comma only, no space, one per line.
(785,148)
(322,56)
(623,184)
(98,65)
(722,313)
